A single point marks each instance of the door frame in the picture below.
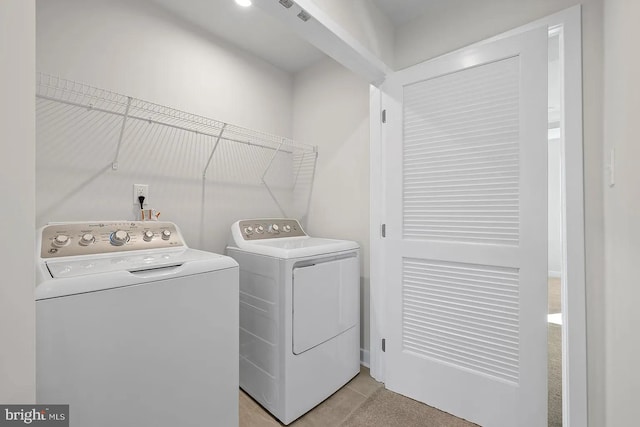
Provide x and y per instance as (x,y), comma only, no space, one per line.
(567,24)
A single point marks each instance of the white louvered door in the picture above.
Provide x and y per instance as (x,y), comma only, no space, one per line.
(464,164)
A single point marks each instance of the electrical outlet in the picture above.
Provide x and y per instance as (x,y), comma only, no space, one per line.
(140,190)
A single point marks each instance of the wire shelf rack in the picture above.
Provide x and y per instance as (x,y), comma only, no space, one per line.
(130,128)
(92,98)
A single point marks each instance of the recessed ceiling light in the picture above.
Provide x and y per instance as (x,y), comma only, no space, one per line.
(244,3)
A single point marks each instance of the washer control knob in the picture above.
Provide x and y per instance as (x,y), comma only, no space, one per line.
(166,234)
(119,238)
(87,239)
(286,228)
(61,240)
(248,230)
(274,228)
(147,236)
(260,229)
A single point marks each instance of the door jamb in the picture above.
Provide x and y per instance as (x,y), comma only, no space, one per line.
(574,354)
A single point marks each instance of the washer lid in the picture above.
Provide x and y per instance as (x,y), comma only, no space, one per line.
(296,247)
(76,275)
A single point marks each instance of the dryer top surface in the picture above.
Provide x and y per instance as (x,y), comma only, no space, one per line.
(298,247)
(278,245)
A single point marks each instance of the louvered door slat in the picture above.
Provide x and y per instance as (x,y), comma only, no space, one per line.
(436,293)
(454,127)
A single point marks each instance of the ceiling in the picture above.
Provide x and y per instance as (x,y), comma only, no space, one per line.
(250,29)
(257,32)
(402,11)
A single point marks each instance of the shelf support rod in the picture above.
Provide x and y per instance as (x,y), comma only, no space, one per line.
(313,178)
(273,196)
(273,157)
(215,147)
(295,181)
(114,165)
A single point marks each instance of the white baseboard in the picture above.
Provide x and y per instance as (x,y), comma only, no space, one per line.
(364,357)
(555,274)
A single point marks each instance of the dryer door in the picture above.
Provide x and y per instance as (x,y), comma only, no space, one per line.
(326,301)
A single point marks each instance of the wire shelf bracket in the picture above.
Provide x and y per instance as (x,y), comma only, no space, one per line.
(213,151)
(114,164)
(273,196)
(260,158)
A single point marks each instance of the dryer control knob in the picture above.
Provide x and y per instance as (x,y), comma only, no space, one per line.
(61,240)
(274,228)
(87,239)
(286,228)
(119,238)
(248,230)
(147,236)
(260,229)
(166,234)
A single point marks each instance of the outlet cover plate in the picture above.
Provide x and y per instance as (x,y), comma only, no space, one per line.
(140,190)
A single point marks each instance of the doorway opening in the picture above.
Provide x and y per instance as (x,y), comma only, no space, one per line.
(555,240)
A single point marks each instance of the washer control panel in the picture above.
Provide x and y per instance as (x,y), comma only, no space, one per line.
(257,229)
(87,238)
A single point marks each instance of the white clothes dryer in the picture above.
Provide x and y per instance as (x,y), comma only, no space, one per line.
(134,328)
(299,314)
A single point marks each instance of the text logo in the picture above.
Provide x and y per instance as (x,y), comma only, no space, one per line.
(34,415)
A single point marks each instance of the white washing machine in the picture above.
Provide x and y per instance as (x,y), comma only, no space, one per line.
(299,314)
(135,329)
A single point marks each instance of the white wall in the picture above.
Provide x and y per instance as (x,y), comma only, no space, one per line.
(331,109)
(456,23)
(138,49)
(622,211)
(555,207)
(17,192)
(554,223)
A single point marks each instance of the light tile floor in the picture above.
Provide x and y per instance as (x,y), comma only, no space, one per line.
(330,413)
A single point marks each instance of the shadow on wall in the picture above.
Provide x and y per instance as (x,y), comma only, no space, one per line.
(76,147)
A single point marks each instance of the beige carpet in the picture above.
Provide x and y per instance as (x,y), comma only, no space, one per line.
(387,409)
(555,375)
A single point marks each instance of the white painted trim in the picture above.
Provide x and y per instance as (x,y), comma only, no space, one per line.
(376,258)
(574,340)
(555,274)
(364,357)
(574,289)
